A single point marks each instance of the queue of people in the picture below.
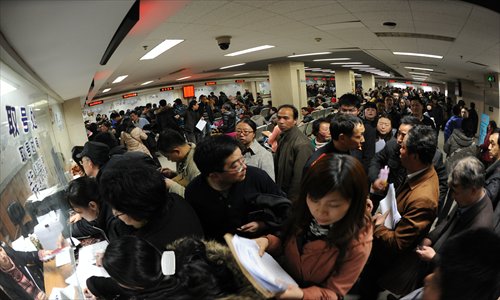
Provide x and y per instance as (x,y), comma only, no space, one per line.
(311,202)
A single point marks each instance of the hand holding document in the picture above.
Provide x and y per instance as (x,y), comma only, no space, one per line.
(201,124)
(265,274)
(388,204)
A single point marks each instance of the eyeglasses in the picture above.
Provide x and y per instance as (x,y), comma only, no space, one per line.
(244,132)
(237,166)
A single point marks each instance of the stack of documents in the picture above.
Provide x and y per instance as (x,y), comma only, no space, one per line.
(265,270)
(388,204)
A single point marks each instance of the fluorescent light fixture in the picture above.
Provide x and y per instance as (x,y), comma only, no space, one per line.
(422,69)
(6,88)
(147,82)
(347,63)
(106,90)
(417,73)
(182,78)
(259,48)
(309,54)
(162,47)
(120,78)
(418,54)
(240,74)
(360,66)
(348,66)
(332,59)
(231,66)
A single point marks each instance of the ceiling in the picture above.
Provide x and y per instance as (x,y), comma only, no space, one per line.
(63,41)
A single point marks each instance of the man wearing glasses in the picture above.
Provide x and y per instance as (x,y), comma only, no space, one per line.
(223,194)
(255,155)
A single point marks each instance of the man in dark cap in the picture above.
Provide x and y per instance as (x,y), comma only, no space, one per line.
(93,157)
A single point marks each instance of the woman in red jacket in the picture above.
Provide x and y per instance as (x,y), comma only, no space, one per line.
(329,237)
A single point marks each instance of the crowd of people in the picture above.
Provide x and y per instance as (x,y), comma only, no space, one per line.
(312,202)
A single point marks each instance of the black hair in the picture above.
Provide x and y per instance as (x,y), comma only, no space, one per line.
(114,115)
(349,100)
(410,120)
(344,124)
(191,104)
(106,138)
(333,173)
(316,123)
(249,122)
(293,108)
(81,191)
(456,110)
(422,140)
(169,139)
(469,266)
(134,188)
(163,102)
(210,154)
(468,127)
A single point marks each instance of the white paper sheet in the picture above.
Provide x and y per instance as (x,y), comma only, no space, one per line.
(63,257)
(201,124)
(389,204)
(264,269)
(86,263)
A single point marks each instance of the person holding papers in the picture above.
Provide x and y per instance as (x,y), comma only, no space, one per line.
(329,237)
(394,262)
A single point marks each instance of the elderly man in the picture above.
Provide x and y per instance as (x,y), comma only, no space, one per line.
(473,208)
(255,155)
(294,148)
(393,259)
(224,194)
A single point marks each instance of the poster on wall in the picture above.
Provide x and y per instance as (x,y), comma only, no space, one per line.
(485,119)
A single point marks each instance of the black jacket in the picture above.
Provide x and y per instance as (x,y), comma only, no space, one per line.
(223,213)
(228,121)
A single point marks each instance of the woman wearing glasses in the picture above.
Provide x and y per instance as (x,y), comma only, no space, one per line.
(329,236)
(254,154)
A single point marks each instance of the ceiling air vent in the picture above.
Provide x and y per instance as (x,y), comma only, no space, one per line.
(415,36)
(177,71)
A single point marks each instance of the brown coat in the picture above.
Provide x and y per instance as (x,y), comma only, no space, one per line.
(133,140)
(315,265)
(417,201)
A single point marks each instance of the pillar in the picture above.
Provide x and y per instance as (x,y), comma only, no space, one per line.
(451,90)
(288,83)
(344,82)
(367,82)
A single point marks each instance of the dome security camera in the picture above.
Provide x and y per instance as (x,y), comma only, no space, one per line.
(224,42)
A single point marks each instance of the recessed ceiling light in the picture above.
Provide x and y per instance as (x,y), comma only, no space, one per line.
(422,69)
(162,47)
(259,48)
(418,54)
(6,88)
(106,90)
(332,59)
(147,82)
(417,73)
(309,54)
(120,78)
(182,78)
(347,63)
(240,74)
(231,66)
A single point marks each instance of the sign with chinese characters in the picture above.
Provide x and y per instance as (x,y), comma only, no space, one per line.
(37,176)
(25,116)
